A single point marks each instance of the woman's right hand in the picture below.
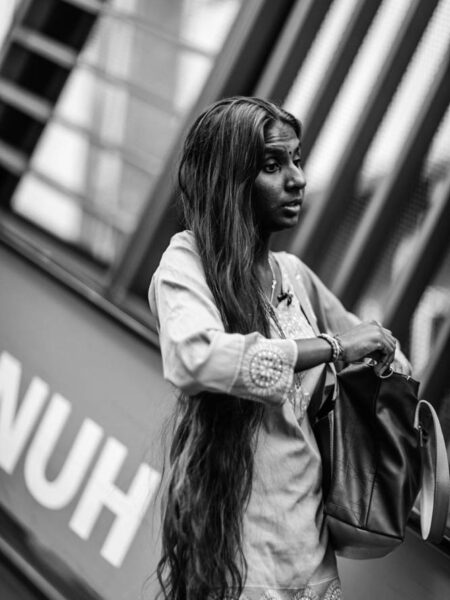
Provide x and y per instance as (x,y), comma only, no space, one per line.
(369,340)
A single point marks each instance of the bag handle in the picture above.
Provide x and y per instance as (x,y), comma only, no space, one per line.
(435,493)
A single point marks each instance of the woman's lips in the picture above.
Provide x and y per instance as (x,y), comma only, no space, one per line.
(293,203)
(292,208)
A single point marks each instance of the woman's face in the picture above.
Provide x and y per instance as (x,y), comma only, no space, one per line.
(278,187)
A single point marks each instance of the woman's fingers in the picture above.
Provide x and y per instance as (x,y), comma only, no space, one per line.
(381,369)
(387,340)
(387,351)
(369,339)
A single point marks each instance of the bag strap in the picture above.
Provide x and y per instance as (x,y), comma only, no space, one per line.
(435,493)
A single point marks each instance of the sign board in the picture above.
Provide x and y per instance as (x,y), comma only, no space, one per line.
(83,408)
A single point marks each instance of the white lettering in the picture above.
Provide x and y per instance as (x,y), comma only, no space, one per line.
(129,508)
(16,424)
(59,492)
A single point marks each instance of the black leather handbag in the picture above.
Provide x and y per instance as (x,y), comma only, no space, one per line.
(380,447)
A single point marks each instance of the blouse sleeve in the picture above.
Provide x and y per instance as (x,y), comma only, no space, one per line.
(197,354)
(335,318)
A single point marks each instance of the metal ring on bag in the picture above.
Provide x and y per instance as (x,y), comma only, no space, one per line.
(389,373)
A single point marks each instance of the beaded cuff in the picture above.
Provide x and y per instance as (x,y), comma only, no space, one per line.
(266,370)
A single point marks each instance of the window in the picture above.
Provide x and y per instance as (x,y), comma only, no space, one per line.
(92,97)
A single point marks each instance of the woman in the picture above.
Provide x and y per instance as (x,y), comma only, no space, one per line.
(247,335)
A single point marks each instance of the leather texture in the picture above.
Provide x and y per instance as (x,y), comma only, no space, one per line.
(373,462)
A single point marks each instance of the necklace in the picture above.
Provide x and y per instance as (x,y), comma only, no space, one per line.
(274,281)
(273,315)
(269,305)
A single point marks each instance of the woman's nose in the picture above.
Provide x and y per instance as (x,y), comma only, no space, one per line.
(296,178)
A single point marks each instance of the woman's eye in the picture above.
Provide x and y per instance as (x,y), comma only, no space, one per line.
(298,163)
(271,167)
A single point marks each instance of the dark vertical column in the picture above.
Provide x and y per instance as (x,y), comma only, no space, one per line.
(292,48)
(337,70)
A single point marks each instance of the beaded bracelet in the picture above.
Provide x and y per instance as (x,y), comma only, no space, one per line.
(336,346)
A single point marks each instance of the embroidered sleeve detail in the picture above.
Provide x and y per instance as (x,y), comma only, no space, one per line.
(267,370)
(325,591)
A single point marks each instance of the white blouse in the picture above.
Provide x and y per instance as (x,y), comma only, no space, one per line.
(285,538)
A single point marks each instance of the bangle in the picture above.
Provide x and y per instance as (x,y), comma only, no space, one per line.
(336,346)
(340,355)
(333,344)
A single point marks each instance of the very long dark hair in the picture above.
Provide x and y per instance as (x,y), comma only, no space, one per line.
(211,455)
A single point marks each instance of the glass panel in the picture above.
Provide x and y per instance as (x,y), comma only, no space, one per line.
(8,182)
(61,21)
(104,179)
(18,129)
(63,156)
(111,46)
(45,206)
(124,6)
(192,70)
(119,114)
(77,98)
(150,130)
(33,72)
(134,186)
(153,63)
(6,14)
(162,74)
(203,24)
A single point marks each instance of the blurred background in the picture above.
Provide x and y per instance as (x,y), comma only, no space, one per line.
(95,98)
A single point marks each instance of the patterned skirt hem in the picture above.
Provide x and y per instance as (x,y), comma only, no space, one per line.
(329,591)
